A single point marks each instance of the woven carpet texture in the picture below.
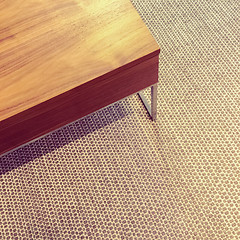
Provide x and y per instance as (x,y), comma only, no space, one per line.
(115,174)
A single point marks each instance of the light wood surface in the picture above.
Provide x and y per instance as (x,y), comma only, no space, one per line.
(49,49)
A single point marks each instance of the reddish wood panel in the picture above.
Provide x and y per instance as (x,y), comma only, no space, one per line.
(76,103)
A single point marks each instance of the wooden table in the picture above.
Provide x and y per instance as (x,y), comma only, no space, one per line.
(61,60)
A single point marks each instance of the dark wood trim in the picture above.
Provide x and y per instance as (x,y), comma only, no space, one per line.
(76,103)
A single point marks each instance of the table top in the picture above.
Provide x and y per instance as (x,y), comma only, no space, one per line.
(48,47)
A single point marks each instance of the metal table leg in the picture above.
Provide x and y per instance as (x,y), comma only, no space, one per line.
(152,109)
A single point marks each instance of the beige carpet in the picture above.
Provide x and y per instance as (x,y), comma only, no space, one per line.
(117,175)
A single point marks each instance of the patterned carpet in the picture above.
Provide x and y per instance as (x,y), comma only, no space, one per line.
(116,174)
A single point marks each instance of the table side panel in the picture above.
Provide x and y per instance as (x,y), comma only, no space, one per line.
(76,103)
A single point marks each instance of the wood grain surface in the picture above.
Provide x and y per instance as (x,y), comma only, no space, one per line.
(49,49)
